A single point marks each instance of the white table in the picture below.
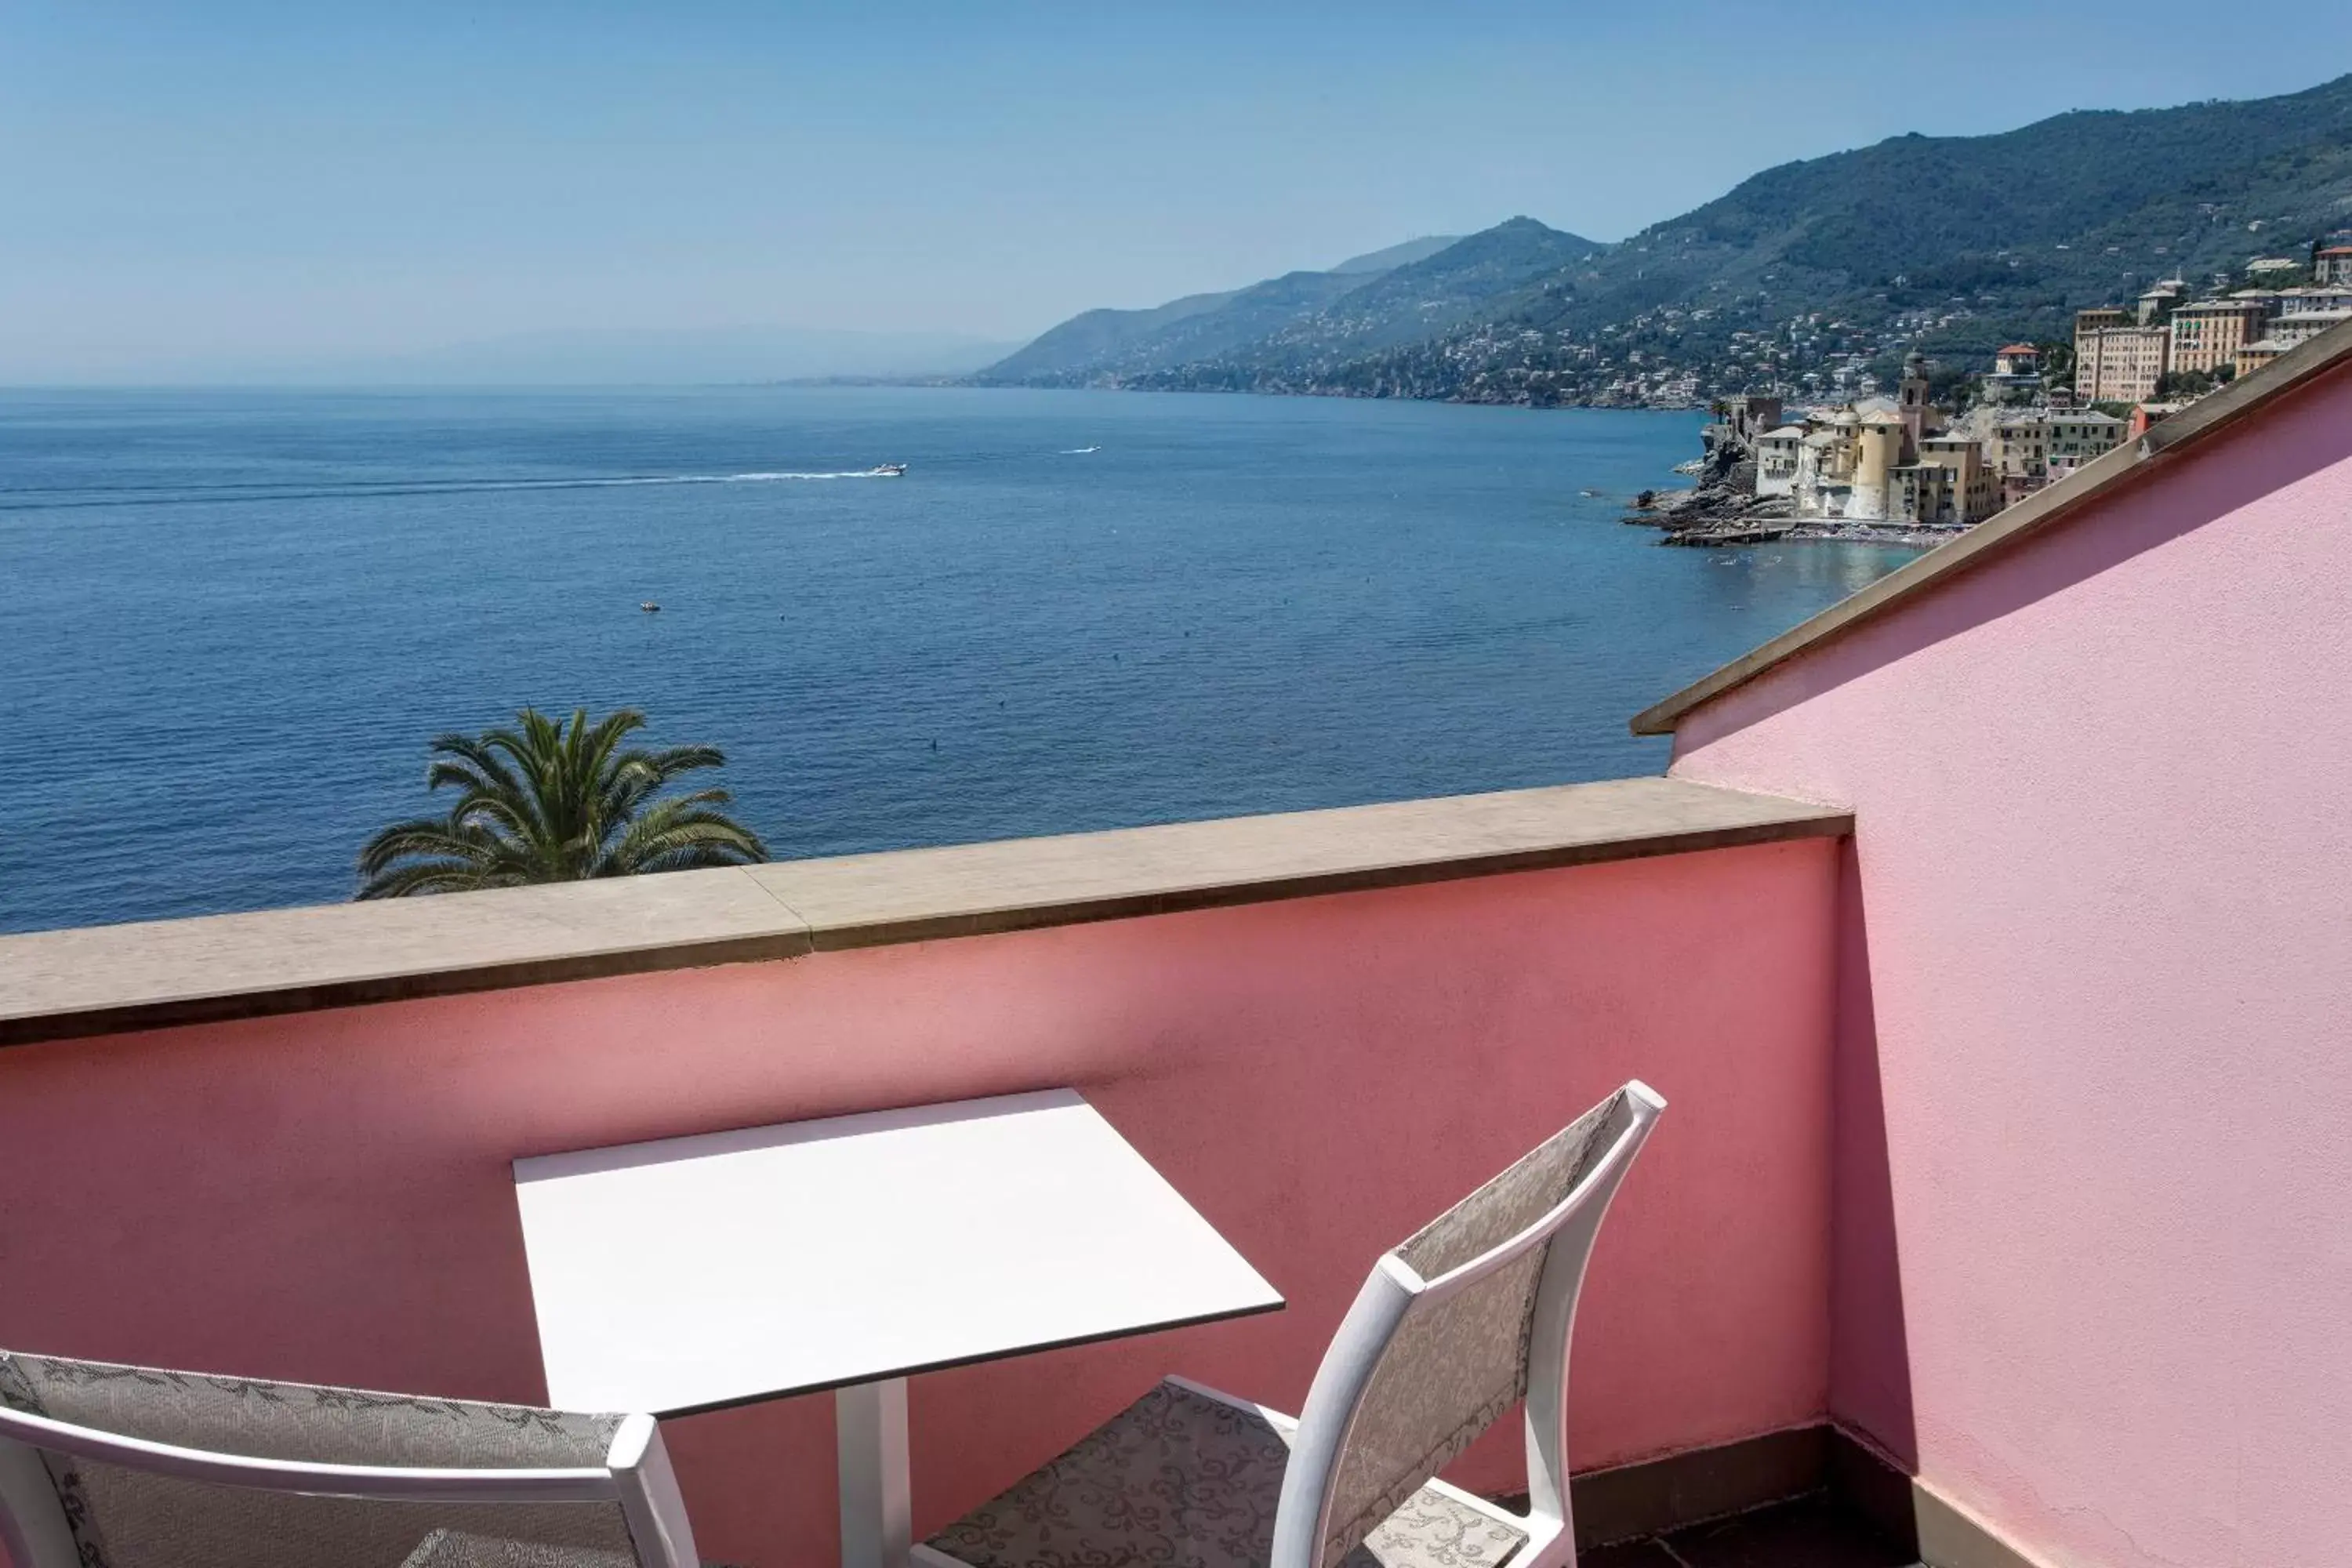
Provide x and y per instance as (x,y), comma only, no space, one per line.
(696,1273)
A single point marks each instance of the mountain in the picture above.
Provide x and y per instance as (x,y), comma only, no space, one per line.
(1397,255)
(1816,273)
(1427,282)
(1412,303)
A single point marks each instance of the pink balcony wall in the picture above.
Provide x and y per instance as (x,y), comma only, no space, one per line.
(327,1196)
(2094,1269)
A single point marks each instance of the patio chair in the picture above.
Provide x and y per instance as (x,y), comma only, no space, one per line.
(1457,1324)
(126,1466)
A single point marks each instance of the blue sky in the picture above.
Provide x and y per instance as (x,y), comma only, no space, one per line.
(186,186)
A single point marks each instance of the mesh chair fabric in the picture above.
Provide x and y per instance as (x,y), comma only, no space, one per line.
(1181,1480)
(124,1518)
(455,1549)
(1454,1367)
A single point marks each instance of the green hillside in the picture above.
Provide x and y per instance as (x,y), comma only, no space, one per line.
(1402,294)
(1835,264)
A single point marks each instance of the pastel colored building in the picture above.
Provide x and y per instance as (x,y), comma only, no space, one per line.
(1969,492)
(2096,320)
(2122,364)
(2018,452)
(2016,373)
(2208,334)
(2078,435)
(1777,453)
(2293,327)
(1990,935)
(2255,355)
(2155,305)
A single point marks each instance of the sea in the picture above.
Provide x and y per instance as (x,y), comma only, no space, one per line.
(234,620)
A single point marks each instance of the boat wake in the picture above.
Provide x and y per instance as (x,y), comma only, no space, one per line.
(886,471)
(227,494)
(1078,451)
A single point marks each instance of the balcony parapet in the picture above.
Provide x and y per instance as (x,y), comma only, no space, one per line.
(101,979)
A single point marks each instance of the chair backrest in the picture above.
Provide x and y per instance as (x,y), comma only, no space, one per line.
(125,1467)
(1457,1324)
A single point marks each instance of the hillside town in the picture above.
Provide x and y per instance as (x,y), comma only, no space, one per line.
(1902,468)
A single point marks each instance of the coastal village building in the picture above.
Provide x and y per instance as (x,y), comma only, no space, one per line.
(2120,356)
(1879,460)
(2156,305)
(2077,435)
(2122,364)
(2207,333)
(2255,355)
(1777,453)
(2018,452)
(1899,462)
(1911,400)
(2016,375)
(1748,416)
(1924,494)
(2027,448)
(2144,414)
(2301,326)
(2088,323)
(1880,443)
(1951,486)
(1825,466)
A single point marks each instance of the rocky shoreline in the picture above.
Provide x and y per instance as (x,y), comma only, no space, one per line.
(1703,516)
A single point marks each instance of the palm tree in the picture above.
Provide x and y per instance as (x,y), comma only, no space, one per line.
(555,801)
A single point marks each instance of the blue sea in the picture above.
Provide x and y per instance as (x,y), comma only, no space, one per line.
(234,619)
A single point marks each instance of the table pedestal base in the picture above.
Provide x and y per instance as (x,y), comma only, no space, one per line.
(877,1529)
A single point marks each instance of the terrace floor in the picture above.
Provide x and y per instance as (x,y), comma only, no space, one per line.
(1804,1533)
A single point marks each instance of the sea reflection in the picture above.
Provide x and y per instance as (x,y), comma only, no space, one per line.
(1824,568)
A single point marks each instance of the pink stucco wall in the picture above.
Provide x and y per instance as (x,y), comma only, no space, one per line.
(2094,1265)
(328,1197)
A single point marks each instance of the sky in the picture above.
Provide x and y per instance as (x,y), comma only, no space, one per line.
(198,190)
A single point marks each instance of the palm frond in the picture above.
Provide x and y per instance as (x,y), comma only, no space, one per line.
(424,877)
(555,799)
(473,753)
(683,831)
(430,836)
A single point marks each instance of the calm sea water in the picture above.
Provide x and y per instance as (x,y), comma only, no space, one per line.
(233,620)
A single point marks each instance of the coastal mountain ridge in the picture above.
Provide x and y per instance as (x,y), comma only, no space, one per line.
(1396,255)
(1953,244)
(1424,282)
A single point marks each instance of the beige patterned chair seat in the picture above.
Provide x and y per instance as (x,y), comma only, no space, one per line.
(1181,1480)
(461,1549)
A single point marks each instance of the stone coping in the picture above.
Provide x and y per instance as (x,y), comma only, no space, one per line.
(98,980)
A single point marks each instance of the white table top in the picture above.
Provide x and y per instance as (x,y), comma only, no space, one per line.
(699,1272)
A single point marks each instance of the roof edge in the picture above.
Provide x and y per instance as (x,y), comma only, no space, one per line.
(2307,363)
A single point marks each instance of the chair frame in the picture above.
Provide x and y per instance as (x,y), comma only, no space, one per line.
(1319,1433)
(636,1474)
(1302,1516)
